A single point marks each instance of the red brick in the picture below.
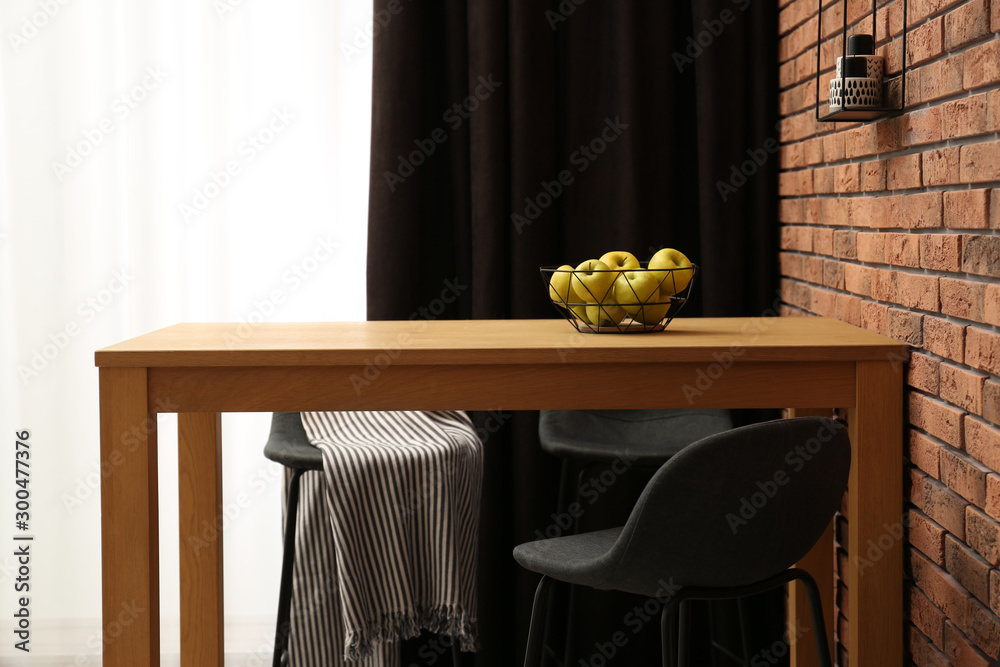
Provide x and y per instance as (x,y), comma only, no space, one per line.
(883,284)
(942,166)
(963,388)
(982,442)
(857,279)
(944,338)
(993,111)
(836,211)
(790,265)
(847,178)
(993,495)
(981,254)
(995,16)
(926,42)
(941,252)
(874,317)
(959,651)
(833,147)
(905,326)
(995,591)
(966,209)
(823,180)
(873,176)
(966,24)
(942,589)
(920,650)
(924,453)
(790,211)
(991,304)
(980,162)
(845,244)
(937,418)
(917,290)
(822,302)
(823,241)
(812,267)
(982,628)
(995,201)
(982,350)
(967,567)
(964,476)
(924,615)
(983,534)
(848,309)
(924,374)
(964,117)
(833,274)
(903,172)
(991,401)
(926,536)
(902,249)
(871,247)
(922,210)
(921,127)
(960,298)
(941,79)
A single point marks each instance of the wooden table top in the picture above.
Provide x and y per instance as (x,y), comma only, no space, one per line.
(447,342)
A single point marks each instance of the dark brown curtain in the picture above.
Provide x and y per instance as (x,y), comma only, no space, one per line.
(509,135)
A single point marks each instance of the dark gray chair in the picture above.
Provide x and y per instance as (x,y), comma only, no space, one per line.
(724,518)
(289,445)
(596,438)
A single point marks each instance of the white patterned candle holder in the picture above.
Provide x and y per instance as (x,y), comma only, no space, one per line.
(861,92)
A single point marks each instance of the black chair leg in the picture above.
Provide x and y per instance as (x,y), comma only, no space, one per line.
(456,655)
(684,634)
(816,611)
(744,614)
(533,653)
(287,563)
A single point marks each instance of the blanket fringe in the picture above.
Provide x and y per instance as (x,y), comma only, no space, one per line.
(447,620)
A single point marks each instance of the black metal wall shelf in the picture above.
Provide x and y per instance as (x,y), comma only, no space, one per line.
(849,112)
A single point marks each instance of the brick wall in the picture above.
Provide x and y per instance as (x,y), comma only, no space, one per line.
(893,226)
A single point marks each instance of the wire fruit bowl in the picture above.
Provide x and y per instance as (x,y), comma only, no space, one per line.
(640,300)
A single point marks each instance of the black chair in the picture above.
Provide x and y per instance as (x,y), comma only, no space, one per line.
(289,445)
(724,518)
(644,439)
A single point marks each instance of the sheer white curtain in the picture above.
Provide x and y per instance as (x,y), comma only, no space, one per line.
(164,161)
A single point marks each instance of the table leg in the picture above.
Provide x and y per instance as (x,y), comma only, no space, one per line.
(129,528)
(200,515)
(875,518)
(819,563)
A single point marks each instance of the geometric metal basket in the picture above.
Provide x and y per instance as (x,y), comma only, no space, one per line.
(650,315)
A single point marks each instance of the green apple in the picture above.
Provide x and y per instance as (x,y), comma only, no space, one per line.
(562,293)
(671,282)
(605,315)
(637,292)
(560,286)
(593,281)
(620,260)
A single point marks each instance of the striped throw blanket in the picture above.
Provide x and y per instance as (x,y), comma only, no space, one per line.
(387,536)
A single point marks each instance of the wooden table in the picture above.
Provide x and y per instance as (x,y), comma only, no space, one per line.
(202,370)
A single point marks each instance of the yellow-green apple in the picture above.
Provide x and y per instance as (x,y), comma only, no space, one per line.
(562,293)
(608,314)
(560,287)
(620,260)
(593,281)
(671,282)
(637,292)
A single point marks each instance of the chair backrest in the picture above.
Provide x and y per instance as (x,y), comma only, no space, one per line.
(667,431)
(736,507)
